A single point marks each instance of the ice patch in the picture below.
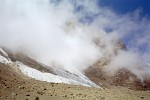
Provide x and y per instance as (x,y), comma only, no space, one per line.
(60,76)
(33,73)
(42,76)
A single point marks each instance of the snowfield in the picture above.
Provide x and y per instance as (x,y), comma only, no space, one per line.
(60,76)
(33,73)
(42,76)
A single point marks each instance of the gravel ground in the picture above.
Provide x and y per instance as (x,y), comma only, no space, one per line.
(15,86)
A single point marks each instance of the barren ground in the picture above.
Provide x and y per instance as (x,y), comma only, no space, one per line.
(15,86)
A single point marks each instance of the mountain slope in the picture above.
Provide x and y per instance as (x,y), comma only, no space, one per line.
(42,72)
(123,77)
(16,85)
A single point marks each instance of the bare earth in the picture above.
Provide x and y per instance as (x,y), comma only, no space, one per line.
(15,86)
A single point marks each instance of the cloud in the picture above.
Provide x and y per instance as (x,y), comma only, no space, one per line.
(48,32)
(73,34)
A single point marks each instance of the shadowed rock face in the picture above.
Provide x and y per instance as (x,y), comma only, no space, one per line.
(123,77)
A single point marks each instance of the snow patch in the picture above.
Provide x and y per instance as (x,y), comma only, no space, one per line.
(33,73)
(4,57)
(76,76)
(4,60)
(42,76)
(60,76)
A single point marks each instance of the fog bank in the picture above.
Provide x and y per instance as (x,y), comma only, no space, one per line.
(74,34)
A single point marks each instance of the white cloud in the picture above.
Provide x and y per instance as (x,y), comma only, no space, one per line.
(53,34)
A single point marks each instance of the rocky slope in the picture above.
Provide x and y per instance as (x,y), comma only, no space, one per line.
(17,84)
(122,77)
(39,71)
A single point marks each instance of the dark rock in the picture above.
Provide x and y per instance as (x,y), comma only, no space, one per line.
(37,98)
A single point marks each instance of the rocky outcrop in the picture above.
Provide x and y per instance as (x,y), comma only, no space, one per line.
(122,77)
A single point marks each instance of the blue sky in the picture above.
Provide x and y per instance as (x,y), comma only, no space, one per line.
(138,35)
(125,6)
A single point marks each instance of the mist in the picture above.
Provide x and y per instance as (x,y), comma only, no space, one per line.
(74,35)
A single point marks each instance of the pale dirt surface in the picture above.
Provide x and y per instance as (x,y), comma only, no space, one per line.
(15,86)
